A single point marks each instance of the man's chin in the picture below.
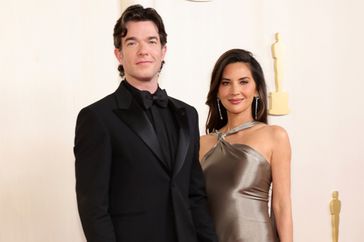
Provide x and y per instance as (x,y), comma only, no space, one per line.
(143,78)
(147,78)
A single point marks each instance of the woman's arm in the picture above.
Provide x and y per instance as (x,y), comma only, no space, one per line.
(281,172)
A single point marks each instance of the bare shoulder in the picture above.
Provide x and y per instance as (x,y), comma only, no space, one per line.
(274,138)
(206,138)
(280,142)
(207,142)
(278,132)
(275,132)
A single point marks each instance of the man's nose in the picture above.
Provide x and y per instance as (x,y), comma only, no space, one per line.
(142,49)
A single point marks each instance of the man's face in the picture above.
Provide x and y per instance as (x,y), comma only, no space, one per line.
(141,53)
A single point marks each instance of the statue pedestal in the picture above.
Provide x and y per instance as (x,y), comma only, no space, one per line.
(278,103)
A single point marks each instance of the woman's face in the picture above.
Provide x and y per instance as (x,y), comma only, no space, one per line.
(237,88)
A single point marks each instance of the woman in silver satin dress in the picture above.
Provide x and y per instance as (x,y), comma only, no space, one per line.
(243,157)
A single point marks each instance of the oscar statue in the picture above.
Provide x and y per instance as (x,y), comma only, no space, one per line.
(335,206)
(278,100)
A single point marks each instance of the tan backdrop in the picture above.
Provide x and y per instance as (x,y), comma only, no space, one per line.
(57,56)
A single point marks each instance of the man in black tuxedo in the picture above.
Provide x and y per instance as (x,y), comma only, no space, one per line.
(138,177)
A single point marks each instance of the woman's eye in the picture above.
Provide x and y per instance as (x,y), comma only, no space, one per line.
(224,83)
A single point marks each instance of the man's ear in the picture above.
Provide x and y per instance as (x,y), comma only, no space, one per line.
(164,50)
(118,55)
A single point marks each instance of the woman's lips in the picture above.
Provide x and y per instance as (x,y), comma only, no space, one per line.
(235,100)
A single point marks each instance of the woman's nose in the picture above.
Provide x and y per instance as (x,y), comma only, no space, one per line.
(235,89)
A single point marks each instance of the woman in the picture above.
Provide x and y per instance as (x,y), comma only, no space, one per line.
(242,155)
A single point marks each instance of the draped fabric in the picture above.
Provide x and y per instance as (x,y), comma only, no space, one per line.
(238,181)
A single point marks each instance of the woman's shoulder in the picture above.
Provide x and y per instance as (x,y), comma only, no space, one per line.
(273,131)
(207,142)
(271,135)
(278,132)
(275,137)
(207,139)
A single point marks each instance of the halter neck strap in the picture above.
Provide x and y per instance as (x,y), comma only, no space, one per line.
(237,129)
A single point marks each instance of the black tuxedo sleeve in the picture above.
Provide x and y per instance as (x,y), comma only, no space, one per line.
(198,198)
(93,162)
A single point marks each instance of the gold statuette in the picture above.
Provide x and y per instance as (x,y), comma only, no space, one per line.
(335,206)
(278,100)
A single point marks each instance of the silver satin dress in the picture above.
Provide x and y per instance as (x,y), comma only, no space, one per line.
(238,181)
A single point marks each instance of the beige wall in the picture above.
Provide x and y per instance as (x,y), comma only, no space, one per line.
(57,57)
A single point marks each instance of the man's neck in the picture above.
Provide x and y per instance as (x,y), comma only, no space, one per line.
(150,86)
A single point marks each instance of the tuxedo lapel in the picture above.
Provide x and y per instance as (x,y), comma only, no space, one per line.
(137,120)
(183,142)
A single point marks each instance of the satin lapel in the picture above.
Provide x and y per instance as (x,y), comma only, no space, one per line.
(135,117)
(183,143)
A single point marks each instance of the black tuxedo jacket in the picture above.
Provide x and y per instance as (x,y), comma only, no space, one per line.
(125,191)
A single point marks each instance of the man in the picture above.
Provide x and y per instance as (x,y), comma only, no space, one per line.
(137,172)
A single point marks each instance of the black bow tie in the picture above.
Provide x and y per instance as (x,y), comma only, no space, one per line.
(160,97)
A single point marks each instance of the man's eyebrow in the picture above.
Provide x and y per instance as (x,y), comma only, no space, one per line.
(153,38)
(134,39)
(129,38)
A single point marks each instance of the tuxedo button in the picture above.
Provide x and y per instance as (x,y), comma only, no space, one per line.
(173,185)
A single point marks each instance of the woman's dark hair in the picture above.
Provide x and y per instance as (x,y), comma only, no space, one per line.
(233,56)
(137,13)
